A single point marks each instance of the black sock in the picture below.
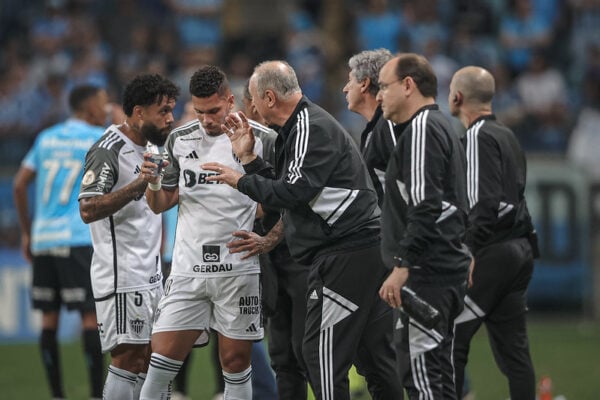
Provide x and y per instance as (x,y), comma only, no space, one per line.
(51,361)
(94,361)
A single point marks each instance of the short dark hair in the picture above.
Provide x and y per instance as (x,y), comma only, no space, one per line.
(79,94)
(207,81)
(419,69)
(147,89)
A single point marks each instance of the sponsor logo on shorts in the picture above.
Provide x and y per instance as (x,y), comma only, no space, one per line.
(251,328)
(211,253)
(155,278)
(207,268)
(249,305)
(137,325)
(100,328)
(314,295)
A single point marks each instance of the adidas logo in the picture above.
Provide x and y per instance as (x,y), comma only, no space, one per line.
(252,328)
(137,170)
(193,155)
(314,295)
(399,324)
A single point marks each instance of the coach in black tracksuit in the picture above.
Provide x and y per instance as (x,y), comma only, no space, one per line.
(330,220)
(500,235)
(377,141)
(423,222)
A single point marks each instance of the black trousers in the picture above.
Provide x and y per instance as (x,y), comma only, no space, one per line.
(425,355)
(286,326)
(347,322)
(498,299)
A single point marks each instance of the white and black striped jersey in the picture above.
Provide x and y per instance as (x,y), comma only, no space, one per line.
(377,141)
(496,175)
(127,243)
(425,205)
(209,212)
(320,181)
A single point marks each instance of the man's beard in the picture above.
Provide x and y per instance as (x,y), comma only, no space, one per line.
(154,135)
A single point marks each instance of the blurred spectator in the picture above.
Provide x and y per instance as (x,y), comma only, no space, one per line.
(521,31)
(378,26)
(424,25)
(444,67)
(474,26)
(585,34)
(197,22)
(584,143)
(304,53)
(544,95)
(507,102)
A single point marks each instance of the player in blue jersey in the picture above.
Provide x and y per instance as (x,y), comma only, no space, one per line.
(56,241)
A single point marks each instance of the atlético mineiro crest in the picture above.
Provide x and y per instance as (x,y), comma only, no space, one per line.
(137,325)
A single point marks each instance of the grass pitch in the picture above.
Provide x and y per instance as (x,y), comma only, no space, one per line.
(567,351)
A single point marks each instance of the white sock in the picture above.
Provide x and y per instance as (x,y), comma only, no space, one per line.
(158,379)
(119,384)
(238,385)
(139,382)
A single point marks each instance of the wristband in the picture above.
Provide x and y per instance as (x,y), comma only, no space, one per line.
(155,187)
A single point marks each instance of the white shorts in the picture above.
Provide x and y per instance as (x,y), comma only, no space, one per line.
(230,305)
(127,317)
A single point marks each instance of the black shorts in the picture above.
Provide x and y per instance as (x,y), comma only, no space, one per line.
(59,279)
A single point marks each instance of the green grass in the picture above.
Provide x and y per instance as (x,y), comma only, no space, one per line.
(567,351)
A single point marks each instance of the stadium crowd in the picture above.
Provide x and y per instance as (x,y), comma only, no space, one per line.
(545,54)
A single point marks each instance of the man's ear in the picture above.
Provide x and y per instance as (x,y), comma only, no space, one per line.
(457,98)
(270,97)
(365,84)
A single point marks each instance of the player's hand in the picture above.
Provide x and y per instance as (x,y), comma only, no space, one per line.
(224,174)
(149,169)
(237,128)
(390,289)
(26,247)
(471,268)
(250,242)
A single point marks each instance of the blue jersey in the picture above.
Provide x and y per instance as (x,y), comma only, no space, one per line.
(57,157)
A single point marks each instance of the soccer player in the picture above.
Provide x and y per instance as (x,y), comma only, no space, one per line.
(208,288)
(58,243)
(423,222)
(126,234)
(500,235)
(330,220)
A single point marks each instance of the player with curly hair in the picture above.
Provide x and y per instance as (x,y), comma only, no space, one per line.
(126,234)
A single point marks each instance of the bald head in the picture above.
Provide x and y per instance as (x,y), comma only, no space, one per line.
(277,76)
(475,84)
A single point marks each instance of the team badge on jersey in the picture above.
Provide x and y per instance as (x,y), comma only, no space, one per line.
(211,253)
(88,178)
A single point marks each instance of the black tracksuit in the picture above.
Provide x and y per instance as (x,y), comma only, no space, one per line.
(423,225)
(331,221)
(377,141)
(502,239)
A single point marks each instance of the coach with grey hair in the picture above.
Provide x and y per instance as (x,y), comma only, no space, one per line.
(378,139)
(331,222)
